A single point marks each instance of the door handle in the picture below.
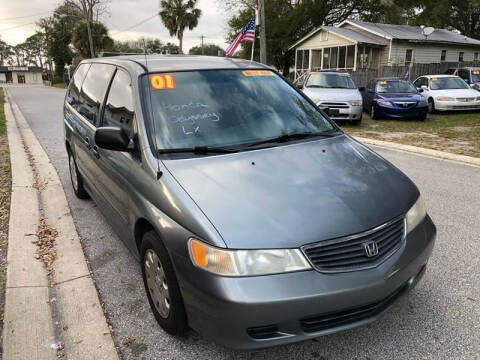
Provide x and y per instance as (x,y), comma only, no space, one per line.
(95,152)
(86,140)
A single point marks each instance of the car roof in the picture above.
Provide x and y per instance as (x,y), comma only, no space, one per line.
(388,78)
(438,76)
(163,63)
(329,72)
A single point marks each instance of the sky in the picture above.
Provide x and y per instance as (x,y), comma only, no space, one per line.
(17,21)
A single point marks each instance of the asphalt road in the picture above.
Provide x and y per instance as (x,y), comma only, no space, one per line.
(440,319)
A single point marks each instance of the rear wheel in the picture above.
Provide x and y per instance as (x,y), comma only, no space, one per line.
(76,178)
(161,285)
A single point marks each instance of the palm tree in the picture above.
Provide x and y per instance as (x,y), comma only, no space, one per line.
(177,15)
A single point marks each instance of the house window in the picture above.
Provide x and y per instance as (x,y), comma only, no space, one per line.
(324,36)
(350,56)
(303,59)
(443,57)
(408,56)
(475,56)
(460,56)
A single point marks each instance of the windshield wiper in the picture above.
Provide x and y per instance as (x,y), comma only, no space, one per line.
(295,136)
(316,86)
(198,150)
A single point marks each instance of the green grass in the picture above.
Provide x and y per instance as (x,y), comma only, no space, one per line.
(5,191)
(60,85)
(453,132)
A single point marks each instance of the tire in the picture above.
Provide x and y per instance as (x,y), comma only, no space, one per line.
(357,122)
(423,117)
(76,178)
(373,114)
(171,317)
(431,106)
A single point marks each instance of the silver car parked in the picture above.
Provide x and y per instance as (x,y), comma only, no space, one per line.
(336,94)
(255,219)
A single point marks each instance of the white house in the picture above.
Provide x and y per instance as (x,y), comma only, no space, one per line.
(355,44)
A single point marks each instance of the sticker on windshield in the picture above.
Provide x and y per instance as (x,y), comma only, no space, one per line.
(434,79)
(162,82)
(476,72)
(383,82)
(258,73)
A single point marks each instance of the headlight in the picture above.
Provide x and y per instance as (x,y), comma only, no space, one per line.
(246,262)
(355,102)
(384,103)
(422,103)
(445,98)
(416,214)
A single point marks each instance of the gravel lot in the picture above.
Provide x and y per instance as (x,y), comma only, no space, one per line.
(440,319)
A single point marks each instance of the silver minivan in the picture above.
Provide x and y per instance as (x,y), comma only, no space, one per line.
(336,94)
(255,219)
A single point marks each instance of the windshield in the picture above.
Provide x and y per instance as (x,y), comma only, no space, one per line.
(395,86)
(224,108)
(333,81)
(443,83)
(475,76)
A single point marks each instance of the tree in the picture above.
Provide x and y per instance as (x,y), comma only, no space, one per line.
(5,52)
(37,48)
(99,34)
(177,15)
(208,49)
(87,9)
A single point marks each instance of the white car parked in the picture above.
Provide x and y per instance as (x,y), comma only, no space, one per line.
(447,92)
(336,93)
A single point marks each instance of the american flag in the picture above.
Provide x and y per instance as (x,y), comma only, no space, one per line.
(246,35)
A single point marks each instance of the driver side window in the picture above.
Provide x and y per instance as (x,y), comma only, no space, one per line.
(119,108)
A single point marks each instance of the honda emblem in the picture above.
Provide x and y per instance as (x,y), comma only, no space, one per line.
(371,248)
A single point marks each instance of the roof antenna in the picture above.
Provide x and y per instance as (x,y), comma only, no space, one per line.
(159,172)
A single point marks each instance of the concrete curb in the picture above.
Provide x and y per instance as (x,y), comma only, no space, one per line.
(465,160)
(73,325)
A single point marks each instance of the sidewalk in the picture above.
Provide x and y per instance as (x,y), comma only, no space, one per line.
(52,308)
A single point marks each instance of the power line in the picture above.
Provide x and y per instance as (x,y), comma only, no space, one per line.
(17,26)
(137,24)
(26,16)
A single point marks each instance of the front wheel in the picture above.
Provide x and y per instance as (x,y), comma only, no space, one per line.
(76,178)
(373,113)
(431,106)
(161,285)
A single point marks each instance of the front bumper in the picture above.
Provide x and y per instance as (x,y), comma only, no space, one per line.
(457,105)
(262,311)
(342,112)
(399,113)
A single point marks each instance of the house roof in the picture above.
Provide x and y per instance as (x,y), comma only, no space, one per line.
(348,34)
(408,32)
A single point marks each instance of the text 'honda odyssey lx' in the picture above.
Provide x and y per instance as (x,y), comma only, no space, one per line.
(256,220)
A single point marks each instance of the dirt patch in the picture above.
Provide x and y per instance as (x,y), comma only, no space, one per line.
(5,191)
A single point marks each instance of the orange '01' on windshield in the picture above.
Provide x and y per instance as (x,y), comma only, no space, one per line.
(162,82)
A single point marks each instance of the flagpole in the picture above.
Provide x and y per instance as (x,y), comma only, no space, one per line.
(253,47)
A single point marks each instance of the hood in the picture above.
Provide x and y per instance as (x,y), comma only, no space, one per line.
(402,97)
(320,95)
(456,93)
(291,195)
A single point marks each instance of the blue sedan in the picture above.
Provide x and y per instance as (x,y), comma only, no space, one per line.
(394,98)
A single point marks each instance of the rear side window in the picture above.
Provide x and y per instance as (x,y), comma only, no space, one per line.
(119,110)
(93,91)
(73,97)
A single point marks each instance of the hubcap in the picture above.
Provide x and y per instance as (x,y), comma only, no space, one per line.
(73,172)
(157,283)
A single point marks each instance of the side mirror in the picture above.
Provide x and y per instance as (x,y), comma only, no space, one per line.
(361,88)
(424,87)
(113,138)
(420,89)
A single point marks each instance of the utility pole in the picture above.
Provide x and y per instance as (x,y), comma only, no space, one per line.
(202,37)
(263,38)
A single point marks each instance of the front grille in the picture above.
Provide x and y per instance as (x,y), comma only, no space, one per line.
(469,107)
(350,253)
(466,99)
(332,320)
(405,105)
(264,332)
(335,105)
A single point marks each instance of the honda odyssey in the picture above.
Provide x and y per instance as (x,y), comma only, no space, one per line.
(255,219)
